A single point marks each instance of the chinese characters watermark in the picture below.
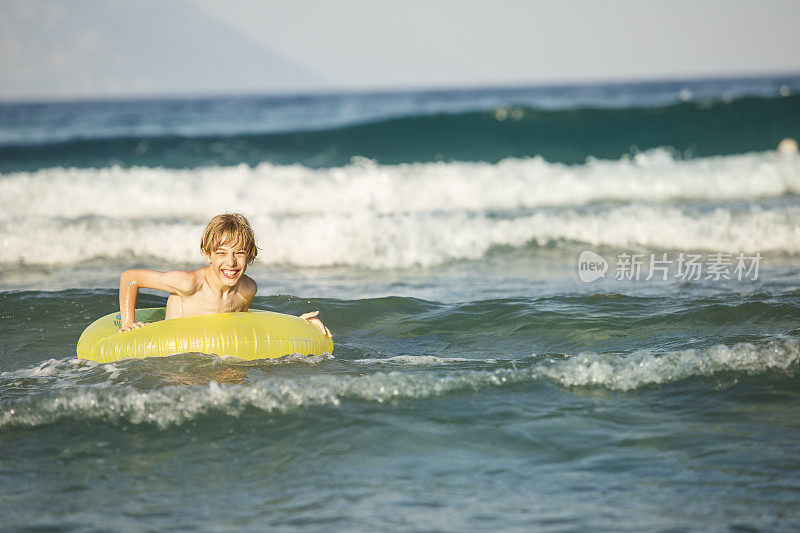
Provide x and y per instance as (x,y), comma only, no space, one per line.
(682,266)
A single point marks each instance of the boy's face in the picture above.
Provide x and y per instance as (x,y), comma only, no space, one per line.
(228,262)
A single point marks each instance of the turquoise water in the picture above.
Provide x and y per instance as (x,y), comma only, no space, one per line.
(691,128)
(476,381)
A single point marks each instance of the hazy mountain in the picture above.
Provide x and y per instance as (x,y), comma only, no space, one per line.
(101,48)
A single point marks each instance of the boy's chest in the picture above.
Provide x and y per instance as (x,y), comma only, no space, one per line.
(202,303)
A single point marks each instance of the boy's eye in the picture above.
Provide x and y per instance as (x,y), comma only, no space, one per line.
(237,252)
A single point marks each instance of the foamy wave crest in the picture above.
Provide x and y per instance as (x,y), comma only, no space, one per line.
(197,194)
(643,368)
(420,360)
(173,406)
(58,373)
(55,374)
(379,216)
(176,405)
(370,240)
(636,370)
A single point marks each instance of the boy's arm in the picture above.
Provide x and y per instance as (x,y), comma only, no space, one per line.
(176,282)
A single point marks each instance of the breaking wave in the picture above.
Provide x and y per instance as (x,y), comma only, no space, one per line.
(175,405)
(379,216)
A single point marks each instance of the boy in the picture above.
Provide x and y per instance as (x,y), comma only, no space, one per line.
(228,244)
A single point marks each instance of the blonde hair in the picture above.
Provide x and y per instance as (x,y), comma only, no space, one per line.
(231,228)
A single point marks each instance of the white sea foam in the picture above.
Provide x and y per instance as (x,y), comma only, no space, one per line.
(55,369)
(176,405)
(379,216)
(64,373)
(420,360)
(643,368)
(418,239)
(196,194)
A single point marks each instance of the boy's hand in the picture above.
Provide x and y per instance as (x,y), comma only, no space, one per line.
(311,317)
(135,325)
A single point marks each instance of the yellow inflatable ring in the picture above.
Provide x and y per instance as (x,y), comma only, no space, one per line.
(252,335)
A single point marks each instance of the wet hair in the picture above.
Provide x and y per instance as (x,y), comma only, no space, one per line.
(231,228)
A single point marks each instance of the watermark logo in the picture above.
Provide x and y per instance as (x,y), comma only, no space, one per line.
(684,266)
(591,266)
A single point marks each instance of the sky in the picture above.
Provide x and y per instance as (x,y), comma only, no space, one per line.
(51,49)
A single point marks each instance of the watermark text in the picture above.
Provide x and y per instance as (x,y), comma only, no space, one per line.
(664,266)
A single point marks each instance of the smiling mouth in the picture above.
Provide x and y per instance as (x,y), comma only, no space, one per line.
(230,274)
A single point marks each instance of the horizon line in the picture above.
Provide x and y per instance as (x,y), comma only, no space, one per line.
(385,89)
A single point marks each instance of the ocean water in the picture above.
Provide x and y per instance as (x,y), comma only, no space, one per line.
(481,376)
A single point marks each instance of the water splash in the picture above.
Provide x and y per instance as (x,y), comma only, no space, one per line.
(173,405)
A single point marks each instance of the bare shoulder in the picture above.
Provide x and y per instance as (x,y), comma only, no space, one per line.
(246,291)
(248,287)
(186,282)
